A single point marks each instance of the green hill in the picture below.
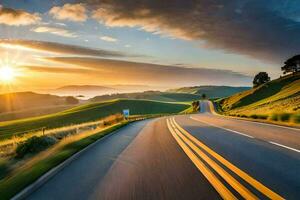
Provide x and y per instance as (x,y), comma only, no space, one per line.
(210,91)
(277,96)
(150,95)
(89,112)
(24,100)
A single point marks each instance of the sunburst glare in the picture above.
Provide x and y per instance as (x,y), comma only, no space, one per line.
(7,74)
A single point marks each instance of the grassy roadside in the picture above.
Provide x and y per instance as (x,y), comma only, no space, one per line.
(18,174)
(283,119)
(276,102)
(24,176)
(87,113)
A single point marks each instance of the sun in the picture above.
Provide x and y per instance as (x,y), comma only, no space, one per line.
(7,74)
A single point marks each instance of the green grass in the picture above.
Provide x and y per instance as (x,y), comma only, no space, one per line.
(175,97)
(151,95)
(17,181)
(277,101)
(88,112)
(277,96)
(210,91)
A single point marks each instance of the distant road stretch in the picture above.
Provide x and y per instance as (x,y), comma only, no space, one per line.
(199,156)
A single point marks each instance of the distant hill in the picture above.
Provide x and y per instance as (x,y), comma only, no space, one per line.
(82,88)
(130,88)
(90,91)
(277,96)
(89,112)
(33,112)
(27,100)
(82,91)
(150,95)
(210,91)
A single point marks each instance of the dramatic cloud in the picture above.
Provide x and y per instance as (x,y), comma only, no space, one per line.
(48,69)
(54,30)
(71,12)
(13,17)
(108,39)
(58,48)
(152,74)
(265,30)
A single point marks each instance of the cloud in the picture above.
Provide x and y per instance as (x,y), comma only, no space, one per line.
(48,69)
(54,30)
(12,17)
(58,48)
(153,74)
(264,30)
(108,39)
(71,12)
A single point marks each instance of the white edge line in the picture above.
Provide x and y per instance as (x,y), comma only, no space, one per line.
(249,136)
(267,124)
(256,122)
(281,145)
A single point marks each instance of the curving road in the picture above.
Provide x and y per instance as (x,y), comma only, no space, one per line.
(199,156)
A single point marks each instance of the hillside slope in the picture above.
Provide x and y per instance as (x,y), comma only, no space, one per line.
(26,100)
(150,95)
(210,91)
(89,112)
(277,96)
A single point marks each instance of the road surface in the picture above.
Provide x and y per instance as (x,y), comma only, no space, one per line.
(199,156)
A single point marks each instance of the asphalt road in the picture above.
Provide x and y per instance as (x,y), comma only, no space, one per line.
(200,156)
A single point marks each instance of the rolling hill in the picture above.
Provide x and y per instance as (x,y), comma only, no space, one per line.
(89,91)
(89,112)
(150,95)
(277,96)
(210,91)
(83,88)
(81,91)
(27,100)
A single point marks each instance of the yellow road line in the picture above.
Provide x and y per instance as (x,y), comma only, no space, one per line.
(214,181)
(225,175)
(256,184)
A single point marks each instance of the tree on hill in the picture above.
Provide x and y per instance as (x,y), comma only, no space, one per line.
(71,100)
(291,65)
(261,78)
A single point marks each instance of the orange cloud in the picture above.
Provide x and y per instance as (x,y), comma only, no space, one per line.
(58,48)
(54,30)
(13,17)
(254,28)
(71,12)
(143,18)
(108,39)
(51,69)
(119,71)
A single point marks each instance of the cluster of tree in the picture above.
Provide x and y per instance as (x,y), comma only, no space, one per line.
(261,78)
(291,65)
(196,105)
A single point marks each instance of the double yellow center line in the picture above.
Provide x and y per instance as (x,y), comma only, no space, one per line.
(190,146)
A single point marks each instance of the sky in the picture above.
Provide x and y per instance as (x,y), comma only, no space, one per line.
(161,44)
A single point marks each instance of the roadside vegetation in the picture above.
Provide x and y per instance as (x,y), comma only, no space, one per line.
(20,172)
(150,95)
(87,113)
(209,91)
(26,156)
(277,101)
